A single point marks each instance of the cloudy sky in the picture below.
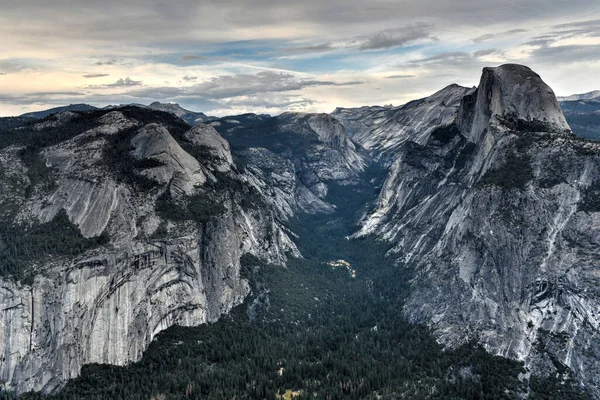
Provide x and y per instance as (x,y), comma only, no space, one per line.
(267,56)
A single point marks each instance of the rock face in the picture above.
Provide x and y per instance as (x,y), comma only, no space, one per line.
(218,148)
(496,212)
(107,304)
(384,130)
(153,142)
(190,117)
(295,156)
(512,92)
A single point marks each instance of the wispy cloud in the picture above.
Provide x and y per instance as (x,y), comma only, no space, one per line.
(227,86)
(504,34)
(11,66)
(396,37)
(192,57)
(107,62)
(317,48)
(90,76)
(384,39)
(399,76)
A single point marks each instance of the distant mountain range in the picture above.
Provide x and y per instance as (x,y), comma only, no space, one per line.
(70,107)
(190,117)
(595,94)
(582,112)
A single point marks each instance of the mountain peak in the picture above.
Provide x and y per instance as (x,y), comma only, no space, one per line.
(510,92)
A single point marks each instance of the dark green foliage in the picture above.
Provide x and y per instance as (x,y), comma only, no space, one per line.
(330,333)
(21,245)
(590,198)
(37,171)
(199,208)
(520,125)
(81,122)
(586,126)
(580,107)
(513,174)
(551,388)
(270,133)
(38,139)
(246,195)
(553,173)
(444,134)
(7,123)
(117,155)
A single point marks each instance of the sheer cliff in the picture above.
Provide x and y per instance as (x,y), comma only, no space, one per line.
(496,211)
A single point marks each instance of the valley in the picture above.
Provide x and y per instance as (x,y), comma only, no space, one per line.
(443,249)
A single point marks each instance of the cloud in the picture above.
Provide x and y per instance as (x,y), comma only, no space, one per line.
(51,94)
(456,59)
(228,86)
(90,76)
(589,27)
(399,76)
(327,49)
(38,98)
(192,57)
(379,40)
(490,36)
(317,48)
(127,82)
(567,54)
(396,37)
(156,92)
(107,62)
(120,83)
(11,66)
(268,101)
(573,30)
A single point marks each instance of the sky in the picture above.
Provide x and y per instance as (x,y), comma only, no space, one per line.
(226,57)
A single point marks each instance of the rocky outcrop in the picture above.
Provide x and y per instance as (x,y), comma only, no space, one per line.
(276,177)
(154,142)
(388,129)
(107,304)
(509,94)
(218,148)
(313,149)
(190,117)
(496,217)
